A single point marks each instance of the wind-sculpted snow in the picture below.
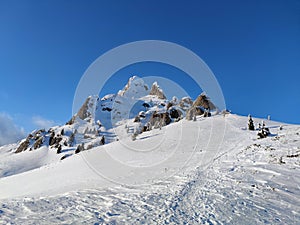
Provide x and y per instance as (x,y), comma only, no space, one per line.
(248,181)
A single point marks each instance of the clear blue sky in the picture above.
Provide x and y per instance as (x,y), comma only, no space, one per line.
(253,48)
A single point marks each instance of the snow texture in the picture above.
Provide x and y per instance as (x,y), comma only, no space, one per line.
(249,181)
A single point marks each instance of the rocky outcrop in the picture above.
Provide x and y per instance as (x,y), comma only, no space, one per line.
(23,146)
(155,90)
(194,111)
(51,138)
(85,110)
(159,119)
(37,138)
(38,143)
(201,106)
(127,86)
(204,102)
(71,121)
(175,113)
(134,87)
(58,151)
(79,148)
(86,128)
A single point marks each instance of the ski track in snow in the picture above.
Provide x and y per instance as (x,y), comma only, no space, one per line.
(251,181)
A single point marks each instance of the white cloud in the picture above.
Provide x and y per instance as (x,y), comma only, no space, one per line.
(41,122)
(9,131)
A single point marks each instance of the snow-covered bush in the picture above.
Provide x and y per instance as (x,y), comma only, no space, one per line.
(264,131)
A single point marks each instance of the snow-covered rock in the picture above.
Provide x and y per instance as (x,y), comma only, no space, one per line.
(135,87)
(206,171)
(157,91)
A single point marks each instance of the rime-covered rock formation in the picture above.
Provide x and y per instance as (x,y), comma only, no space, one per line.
(98,117)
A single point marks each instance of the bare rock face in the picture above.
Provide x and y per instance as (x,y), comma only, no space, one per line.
(87,110)
(83,112)
(201,106)
(37,138)
(71,121)
(23,146)
(194,111)
(38,143)
(204,101)
(52,138)
(160,119)
(155,90)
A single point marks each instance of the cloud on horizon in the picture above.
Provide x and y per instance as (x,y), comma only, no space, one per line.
(9,131)
(42,123)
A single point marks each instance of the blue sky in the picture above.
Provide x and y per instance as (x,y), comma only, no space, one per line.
(252,47)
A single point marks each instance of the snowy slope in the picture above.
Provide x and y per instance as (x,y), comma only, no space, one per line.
(210,171)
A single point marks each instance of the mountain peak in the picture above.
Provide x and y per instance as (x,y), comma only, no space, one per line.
(156,90)
(135,87)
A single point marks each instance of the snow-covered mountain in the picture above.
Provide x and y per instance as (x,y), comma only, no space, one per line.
(135,157)
(136,108)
